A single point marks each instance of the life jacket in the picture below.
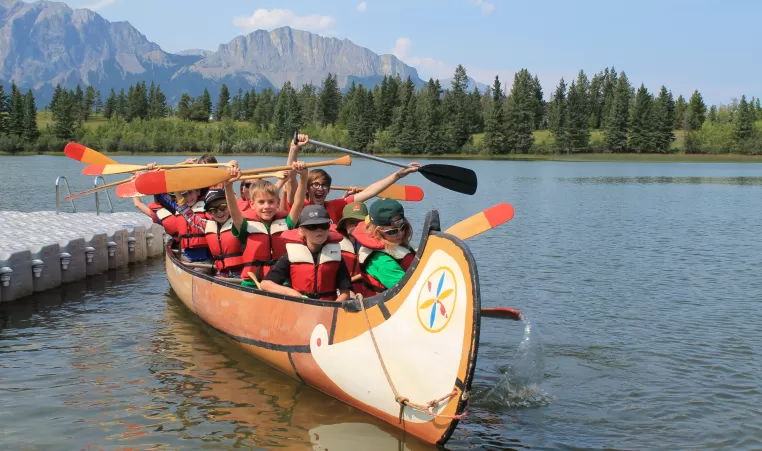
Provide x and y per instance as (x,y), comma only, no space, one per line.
(226,250)
(402,254)
(263,249)
(243,205)
(166,219)
(191,238)
(317,281)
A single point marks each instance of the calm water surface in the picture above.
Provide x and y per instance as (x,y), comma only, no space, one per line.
(640,283)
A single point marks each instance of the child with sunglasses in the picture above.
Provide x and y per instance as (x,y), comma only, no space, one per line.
(312,265)
(385,253)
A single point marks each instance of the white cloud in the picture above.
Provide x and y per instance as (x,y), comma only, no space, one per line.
(428,67)
(402,47)
(98,4)
(264,19)
(362,7)
(486,7)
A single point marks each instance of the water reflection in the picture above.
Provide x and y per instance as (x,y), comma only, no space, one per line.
(661,180)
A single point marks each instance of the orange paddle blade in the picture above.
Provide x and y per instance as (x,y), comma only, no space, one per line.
(403,192)
(160,182)
(86,155)
(128,189)
(481,222)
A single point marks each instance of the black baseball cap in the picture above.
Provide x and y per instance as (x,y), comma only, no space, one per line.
(314,215)
(212,195)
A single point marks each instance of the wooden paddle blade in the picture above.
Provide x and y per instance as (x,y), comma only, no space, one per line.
(502,313)
(109,169)
(455,178)
(127,190)
(403,192)
(346,160)
(159,182)
(77,151)
(482,221)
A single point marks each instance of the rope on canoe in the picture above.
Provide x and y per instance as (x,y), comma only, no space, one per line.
(403,401)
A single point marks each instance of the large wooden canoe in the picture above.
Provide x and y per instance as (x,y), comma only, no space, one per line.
(426,327)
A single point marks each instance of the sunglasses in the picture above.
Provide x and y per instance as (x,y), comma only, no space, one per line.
(247,184)
(313,227)
(220,207)
(392,232)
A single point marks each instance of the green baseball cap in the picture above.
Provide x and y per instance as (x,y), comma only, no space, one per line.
(354,210)
(384,211)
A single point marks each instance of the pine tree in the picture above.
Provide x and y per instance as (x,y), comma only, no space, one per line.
(245,112)
(251,105)
(557,117)
(595,100)
(79,104)
(712,117)
(401,115)
(235,105)
(409,140)
(431,114)
(287,111)
(758,107)
(16,114)
(184,107)
(296,118)
(109,109)
(458,128)
(121,104)
(63,117)
(663,118)
(495,142)
(4,108)
(475,111)
(616,123)
(578,115)
(539,106)
(88,102)
(698,110)
(157,107)
(680,108)
(206,103)
(30,118)
(222,108)
(329,101)
(56,96)
(642,130)
(360,127)
(610,82)
(520,113)
(743,122)
(98,102)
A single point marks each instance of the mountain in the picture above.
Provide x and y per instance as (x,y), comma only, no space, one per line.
(45,43)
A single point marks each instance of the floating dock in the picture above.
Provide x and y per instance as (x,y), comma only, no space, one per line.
(42,250)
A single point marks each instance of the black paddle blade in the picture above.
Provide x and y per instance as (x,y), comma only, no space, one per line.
(456,178)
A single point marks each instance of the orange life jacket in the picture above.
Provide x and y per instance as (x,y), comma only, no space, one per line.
(263,248)
(317,281)
(192,239)
(164,218)
(402,254)
(226,250)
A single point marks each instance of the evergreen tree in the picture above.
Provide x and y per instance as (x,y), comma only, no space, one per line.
(121,104)
(520,113)
(157,102)
(495,142)
(109,109)
(680,108)
(578,115)
(475,111)
(98,105)
(30,118)
(743,122)
(409,140)
(296,118)
(458,128)
(610,82)
(245,112)
(712,117)
(4,109)
(663,118)
(287,111)
(595,100)
(79,104)
(616,123)
(63,117)
(385,113)
(539,106)
(698,110)
(557,117)
(88,102)
(642,130)
(235,105)
(308,101)
(251,105)
(56,95)
(206,103)
(184,107)
(360,126)
(402,113)
(16,114)
(329,101)
(432,126)
(758,107)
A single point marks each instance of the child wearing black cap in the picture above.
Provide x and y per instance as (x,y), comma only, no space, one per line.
(313,262)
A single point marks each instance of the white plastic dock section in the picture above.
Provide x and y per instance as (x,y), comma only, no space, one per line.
(42,250)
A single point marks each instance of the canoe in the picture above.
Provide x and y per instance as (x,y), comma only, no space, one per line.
(426,333)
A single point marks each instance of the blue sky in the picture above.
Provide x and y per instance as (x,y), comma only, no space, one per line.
(711,46)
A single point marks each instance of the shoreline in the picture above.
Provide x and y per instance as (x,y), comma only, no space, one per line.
(582,157)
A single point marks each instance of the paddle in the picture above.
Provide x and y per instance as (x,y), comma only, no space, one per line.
(158,182)
(482,221)
(98,188)
(253,277)
(259,176)
(128,190)
(502,313)
(409,193)
(109,169)
(86,155)
(455,178)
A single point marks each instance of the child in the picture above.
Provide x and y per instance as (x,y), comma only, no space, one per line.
(192,241)
(312,262)
(260,231)
(353,214)
(385,253)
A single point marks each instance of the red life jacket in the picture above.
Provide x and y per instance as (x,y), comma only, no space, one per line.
(243,205)
(263,249)
(191,238)
(317,281)
(170,222)
(226,250)
(402,254)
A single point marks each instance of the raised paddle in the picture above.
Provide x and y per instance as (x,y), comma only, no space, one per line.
(502,313)
(77,151)
(455,178)
(99,188)
(128,189)
(482,221)
(259,176)
(409,193)
(158,182)
(109,169)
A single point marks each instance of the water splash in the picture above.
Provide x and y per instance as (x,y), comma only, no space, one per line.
(520,382)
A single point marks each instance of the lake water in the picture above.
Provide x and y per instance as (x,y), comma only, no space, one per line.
(640,281)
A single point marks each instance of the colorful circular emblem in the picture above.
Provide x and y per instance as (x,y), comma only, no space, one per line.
(436,300)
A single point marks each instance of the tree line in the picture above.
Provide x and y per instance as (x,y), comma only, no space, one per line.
(602,113)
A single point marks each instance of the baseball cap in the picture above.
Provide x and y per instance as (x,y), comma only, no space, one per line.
(354,210)
(313,215)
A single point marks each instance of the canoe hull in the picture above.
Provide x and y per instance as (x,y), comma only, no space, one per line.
(426,329)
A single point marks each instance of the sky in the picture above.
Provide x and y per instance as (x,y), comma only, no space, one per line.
(711,46)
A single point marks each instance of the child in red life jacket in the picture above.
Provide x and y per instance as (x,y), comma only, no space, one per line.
(244,203)
(353,214)
(385,253)
(312,262)
(260,229)
(159,215)
(192,240)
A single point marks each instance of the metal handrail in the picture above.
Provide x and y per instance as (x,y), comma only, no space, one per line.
(98,199)
(68,191)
